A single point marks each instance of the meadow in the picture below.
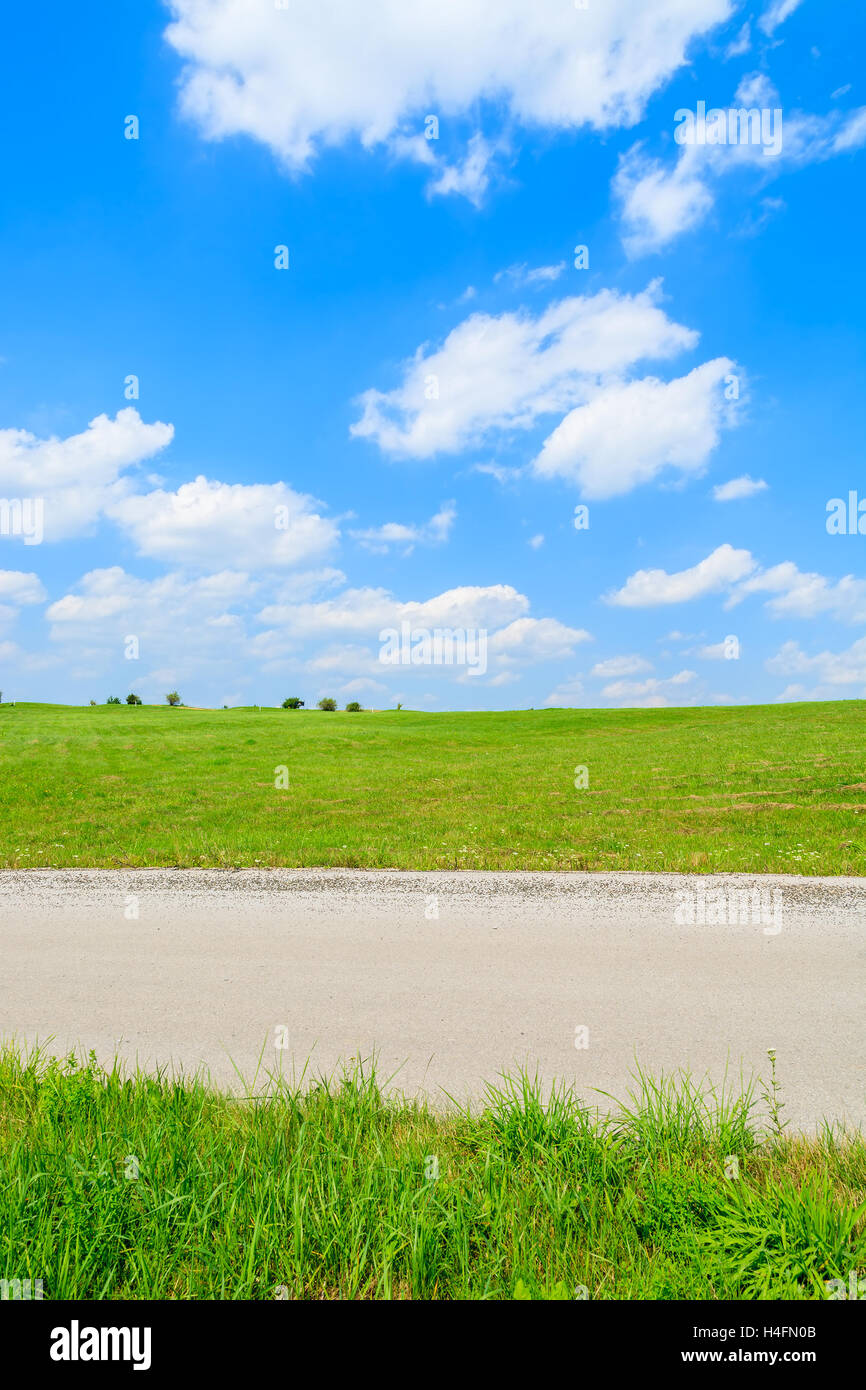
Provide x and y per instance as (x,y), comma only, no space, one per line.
(757,789)
(151,1187)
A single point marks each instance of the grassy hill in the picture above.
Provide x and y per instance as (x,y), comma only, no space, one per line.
(761,789)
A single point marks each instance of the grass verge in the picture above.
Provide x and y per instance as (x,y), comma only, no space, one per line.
(143,1187)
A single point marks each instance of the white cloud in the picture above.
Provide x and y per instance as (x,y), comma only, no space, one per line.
(306,584)
(741,44)
(620,666)
(829,668)
(717,571)
(565,694)
(794,594)
(18,588)
(804,595)
(738,488)
(496,373)
(362,685)
(501,474)
(757,217)
(369,610)
(653,686)
(319,73)
(208,629)
(470,177)
(716,651)
(17,659)
(78,477)
(523,274)
(658,202)
(756,89)
(107,593)
(207,522)
(777,13)
(341,658)
(530,641)
(628,433)
(661,201)
(186,628)
(852,134)
(536,542)
(436,531)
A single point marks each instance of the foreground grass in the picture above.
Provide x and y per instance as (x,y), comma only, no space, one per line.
(142,1187)
(759,789)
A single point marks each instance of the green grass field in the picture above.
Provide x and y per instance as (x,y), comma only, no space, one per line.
(759,789)
(150,1188)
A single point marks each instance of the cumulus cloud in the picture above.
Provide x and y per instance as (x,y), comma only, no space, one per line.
(829,668)
(247,525)
(806,595)
(185,628)
(738,488)
(658,202)
(18,588)
(468,177)
(530,641)
(653,687)
(498,373)
(628,433)
(379,539)
(79,477)
(368,610)
(793,592)
(319,73)
(718,571)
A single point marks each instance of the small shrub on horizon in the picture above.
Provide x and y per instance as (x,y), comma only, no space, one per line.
(327,703)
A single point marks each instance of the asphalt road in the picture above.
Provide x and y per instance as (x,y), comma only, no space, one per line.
(449,977)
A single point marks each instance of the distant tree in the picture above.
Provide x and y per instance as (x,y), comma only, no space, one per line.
(113,700)
(353,706)
(173,698)
(93,702)
(293,703)
(133,699)
(327,703)
(399,705)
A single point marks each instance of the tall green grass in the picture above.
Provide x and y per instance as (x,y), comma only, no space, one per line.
(116,1186)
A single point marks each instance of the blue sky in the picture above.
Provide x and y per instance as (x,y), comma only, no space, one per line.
(399,426)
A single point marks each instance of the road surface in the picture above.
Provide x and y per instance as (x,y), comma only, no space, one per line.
(450,977)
